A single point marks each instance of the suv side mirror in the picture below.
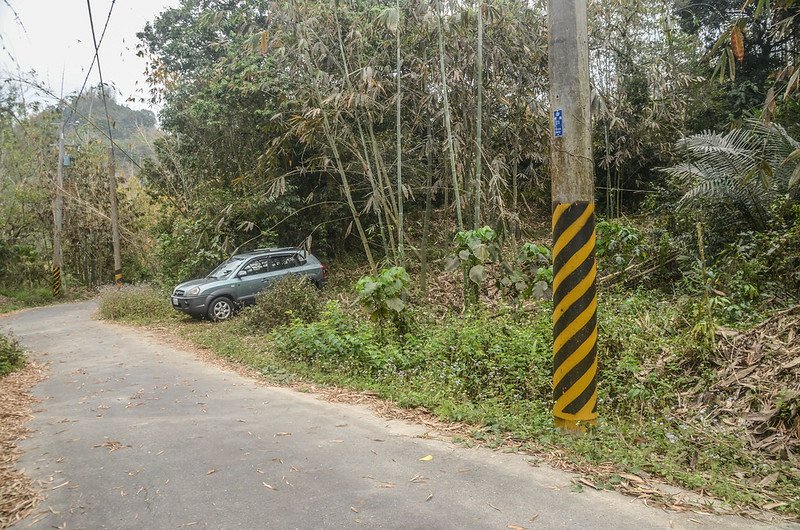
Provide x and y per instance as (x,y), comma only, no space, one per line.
(241,273)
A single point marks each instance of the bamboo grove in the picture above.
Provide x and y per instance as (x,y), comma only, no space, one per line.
(358,125)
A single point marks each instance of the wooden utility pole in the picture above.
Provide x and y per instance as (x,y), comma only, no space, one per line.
(112,186)
(572,174)
(58,215)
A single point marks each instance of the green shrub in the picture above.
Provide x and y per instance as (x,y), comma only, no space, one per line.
(469,357)
(28,296)
(11,355)
(383,296)
(22,265)
(530,275)
(141,304)
(619,245)
(290,298)
(334,343)
(474,250)
(476,356)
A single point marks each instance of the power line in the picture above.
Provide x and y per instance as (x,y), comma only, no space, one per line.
(100,70)
(17,19)
(74,109)
(94,58)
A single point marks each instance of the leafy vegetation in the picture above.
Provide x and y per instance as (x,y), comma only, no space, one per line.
(140,304)
(474,251)
(530,275)
(11,355)
(384,296)
(290,298)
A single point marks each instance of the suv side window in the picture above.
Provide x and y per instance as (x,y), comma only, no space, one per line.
(257,266)
(278,263)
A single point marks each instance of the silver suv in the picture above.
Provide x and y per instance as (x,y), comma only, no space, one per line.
(237,281)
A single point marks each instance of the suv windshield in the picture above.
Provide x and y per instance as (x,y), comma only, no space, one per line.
(225,269)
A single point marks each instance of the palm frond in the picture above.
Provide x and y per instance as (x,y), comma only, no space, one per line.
(747,169)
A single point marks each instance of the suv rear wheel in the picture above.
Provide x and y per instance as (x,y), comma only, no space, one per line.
(220,309)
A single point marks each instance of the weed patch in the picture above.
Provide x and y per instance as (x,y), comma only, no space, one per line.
(287,299)
(11,355)
(137,305)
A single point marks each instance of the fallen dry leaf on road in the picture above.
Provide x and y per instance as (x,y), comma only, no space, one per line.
(112,445)
(427,458)
(283,434)
(211,471)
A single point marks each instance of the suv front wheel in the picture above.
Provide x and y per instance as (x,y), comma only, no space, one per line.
(220,309)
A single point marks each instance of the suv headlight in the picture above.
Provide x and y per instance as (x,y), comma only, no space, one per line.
(194,291)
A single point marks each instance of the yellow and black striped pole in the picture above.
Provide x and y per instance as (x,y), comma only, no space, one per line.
(572,175)
(574,315)
(118,278)
(56,281)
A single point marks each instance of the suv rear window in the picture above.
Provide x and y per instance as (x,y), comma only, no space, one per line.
(282,262)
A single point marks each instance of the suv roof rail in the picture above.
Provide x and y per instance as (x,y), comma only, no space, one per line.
(271,249)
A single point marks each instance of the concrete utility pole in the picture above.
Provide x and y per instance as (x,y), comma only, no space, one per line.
(58,215)
(572,174)
(112,186)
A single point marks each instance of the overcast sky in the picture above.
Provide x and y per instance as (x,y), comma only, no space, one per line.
(55,37)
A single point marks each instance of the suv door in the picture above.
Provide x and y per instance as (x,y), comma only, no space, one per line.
(254,280)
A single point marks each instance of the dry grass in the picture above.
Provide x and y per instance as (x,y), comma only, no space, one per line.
(18,494)
(759,384)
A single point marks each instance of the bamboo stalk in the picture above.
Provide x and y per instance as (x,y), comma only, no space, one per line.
(448,126)
(479,123)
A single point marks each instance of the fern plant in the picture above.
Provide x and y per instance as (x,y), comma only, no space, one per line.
(744,171)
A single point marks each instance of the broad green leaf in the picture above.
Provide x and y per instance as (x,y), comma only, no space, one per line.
(451,263)
(477,274)
(539,289)
(369,288)
(481,252)
(395,304)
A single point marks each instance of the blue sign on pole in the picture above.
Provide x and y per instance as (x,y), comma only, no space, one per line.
(558,123)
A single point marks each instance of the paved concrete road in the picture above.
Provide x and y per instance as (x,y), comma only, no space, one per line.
(135,434)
